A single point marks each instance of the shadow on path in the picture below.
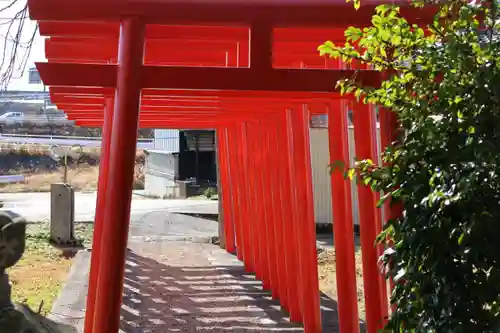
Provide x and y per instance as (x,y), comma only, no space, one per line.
(218,298)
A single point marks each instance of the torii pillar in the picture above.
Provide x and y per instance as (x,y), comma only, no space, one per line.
(120,178)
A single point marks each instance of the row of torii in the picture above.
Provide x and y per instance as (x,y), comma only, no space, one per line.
(250,70)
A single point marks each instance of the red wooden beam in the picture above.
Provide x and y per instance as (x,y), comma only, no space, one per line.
(277,12)
(88,115)
(200,113)
(180,123)
(106,49)
(164,124)
(91,107)
(86,75)
(283,39)
(187,33)
(192,53)
(179,117)
(159,104)
(84,93)
(75,113)
(173,113)
(159,110)
(153,31)
(208,93)
(225,111)
(194,105)
(190,59)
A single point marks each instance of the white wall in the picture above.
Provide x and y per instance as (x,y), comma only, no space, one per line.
(166,140)
(159,174)
(320,160)
(162,164)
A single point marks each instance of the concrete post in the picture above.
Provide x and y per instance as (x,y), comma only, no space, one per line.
(62,215)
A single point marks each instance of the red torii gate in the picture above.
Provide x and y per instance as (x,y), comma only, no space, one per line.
(238,67)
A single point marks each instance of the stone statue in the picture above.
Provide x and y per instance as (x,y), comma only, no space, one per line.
(15,318)
(12,242)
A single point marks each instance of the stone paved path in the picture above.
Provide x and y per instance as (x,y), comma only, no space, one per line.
(184,287)
(176,283)
(194,287)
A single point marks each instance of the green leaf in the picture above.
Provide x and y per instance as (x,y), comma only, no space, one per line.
(351,173)
(396,40)
(353,34)
(337,165)
(461,239)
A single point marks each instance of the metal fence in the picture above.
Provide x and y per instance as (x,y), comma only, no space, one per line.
(64,140)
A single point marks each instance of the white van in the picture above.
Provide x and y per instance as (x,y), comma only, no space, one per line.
(12,118)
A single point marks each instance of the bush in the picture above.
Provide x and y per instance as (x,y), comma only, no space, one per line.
(210,192)
(442,83)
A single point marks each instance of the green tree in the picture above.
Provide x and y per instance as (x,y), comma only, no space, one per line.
(443,82)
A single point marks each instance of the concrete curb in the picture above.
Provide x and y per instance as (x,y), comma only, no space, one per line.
(69,308)
(38,221)
(191,239)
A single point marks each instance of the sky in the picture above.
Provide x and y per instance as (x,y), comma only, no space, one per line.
(37,51)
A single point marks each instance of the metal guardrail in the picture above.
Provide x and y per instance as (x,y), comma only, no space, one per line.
(64,140)
(42,136)
(11,179)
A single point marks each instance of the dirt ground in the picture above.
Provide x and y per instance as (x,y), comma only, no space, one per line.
(41,170)
(83,178)
(328,278)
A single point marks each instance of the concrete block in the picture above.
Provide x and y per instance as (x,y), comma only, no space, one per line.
(62,215)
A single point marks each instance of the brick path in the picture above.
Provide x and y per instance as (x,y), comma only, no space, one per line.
(184,286)
(194,287)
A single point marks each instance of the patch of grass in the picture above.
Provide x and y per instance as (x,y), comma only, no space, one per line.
(210,192)
(203,197)
(39,276)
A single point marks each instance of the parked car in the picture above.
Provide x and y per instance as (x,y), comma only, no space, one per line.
(16,118)
(12,118)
